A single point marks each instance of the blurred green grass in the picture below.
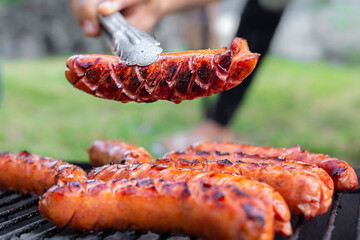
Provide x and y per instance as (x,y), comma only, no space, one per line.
(312,104)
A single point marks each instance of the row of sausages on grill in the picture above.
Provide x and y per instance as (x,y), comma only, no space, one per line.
(210,190)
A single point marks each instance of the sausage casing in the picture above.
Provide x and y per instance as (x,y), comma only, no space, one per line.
(174,76)
(31,173)
(102,152)
(343,175)
(195,208)
(306,189)
(263,191)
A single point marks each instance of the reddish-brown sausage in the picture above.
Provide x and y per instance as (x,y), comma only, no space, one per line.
(102,152)
(196,208)
(306,189)
(174,76)
(30,173)
(341,172)
(251,187)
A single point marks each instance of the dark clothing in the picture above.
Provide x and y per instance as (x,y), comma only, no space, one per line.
(257,26)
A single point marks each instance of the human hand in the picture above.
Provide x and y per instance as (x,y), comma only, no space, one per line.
(143,14)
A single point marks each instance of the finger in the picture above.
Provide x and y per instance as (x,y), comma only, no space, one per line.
(111,6)
(75,8)
(85,13)
(136,14)
(91,29)
(89,19)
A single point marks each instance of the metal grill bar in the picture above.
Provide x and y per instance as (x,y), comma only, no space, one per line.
(331,223)
(164,236)
(105,234)
(135,235)
(75,236)
(19,219)
(46,234)
(358,225)
(14,200)
(357,190)
(124,235)
(18,209)
(297,230)
(27,228)
(5,194)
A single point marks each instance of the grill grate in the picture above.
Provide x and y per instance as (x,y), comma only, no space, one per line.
(20,219)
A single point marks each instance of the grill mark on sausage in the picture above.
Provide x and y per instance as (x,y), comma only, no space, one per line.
(242,154)
(224,162)
(253,213)
(144,182)
(218,153)
(207,153)
(237,191)
(186,162)
(170,187)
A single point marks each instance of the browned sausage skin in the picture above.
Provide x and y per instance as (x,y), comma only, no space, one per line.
(174,76)
(102,152)
(306,189)
(341,172)
(195,208)
(263,191)
(31,173)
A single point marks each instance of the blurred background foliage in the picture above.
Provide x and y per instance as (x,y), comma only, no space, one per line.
(9,2)
(306,92)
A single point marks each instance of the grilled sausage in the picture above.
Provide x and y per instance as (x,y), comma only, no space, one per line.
(30,173)
(195,208)
(306,189)
(263,191)
(341,172)
(343,175)
(174,76)
(103,152)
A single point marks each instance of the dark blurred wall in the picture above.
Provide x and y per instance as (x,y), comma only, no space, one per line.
(35,28)
(309,30)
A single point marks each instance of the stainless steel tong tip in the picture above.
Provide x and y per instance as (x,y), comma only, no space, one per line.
(131,44)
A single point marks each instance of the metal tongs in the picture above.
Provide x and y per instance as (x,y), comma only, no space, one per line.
(131,44)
